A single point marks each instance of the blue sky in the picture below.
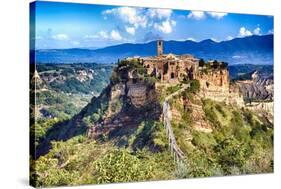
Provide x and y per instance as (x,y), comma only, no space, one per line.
(71,25)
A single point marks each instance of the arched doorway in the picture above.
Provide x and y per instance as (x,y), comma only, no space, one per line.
(172,75)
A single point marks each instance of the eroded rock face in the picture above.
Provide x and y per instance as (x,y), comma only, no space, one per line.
(260,87)
(140,94)
(129,103)
(215,85)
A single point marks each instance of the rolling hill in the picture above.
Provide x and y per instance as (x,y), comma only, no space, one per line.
(248,50)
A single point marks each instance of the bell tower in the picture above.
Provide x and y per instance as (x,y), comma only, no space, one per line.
(159,47)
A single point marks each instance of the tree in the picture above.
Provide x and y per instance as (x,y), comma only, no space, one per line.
(201,62)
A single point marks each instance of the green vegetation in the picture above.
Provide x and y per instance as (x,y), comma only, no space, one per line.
(210,65)
(53,104)
(83,161)
(240,142)
(194,86)
(135,68)
(172,89)
(149,133)
(64,77)
(233,144)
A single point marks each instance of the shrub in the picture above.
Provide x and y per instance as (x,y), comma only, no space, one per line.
(201,62)
(231,153)
(220,109)
(203,140)
(121,166)
(194,86)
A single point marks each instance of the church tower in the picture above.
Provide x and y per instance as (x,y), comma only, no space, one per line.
(159,47)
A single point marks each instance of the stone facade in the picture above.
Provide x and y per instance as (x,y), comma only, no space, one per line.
(213,76)
(214,84)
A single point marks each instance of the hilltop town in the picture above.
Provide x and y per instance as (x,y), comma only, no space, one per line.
(173,69)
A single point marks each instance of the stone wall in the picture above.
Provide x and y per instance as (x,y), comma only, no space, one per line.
(171,68)
(214,85)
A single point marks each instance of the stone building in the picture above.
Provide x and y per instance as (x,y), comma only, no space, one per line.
(170,67)
(213,75)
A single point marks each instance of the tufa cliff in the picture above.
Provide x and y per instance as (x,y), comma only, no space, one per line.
(215,84)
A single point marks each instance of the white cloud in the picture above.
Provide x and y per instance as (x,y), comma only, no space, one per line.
(61,37)
(131,30)
(243,32)
(129,15)
(103,34)
(191,39)
(134,18)
(200,15)
(91,36)
(229,38)
(166,26)
(115,35)
(217,15)
(257,31)
(214,39)
(160,13)
(197,15)
(270,31)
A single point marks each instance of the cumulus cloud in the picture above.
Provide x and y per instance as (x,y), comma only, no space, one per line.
(135,18)
(130,30)
(200,15)
(61,37)
(160,13)
(217,15)
(166,26)
(103,34)
(129,15)
(115,35)
(197,15)
(257,31)
(243,32)
(151,36)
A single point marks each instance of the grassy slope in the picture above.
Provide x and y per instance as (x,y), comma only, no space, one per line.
(241,142)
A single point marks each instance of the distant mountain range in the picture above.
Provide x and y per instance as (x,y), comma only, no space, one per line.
(248,50)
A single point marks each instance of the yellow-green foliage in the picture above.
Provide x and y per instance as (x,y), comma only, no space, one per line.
(82,161)
(150,133)
(241,142)
(39,128)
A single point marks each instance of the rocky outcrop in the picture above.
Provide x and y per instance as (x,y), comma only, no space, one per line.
(198,117)
(131,100)
(264,109)
(259,87)
(215,85)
